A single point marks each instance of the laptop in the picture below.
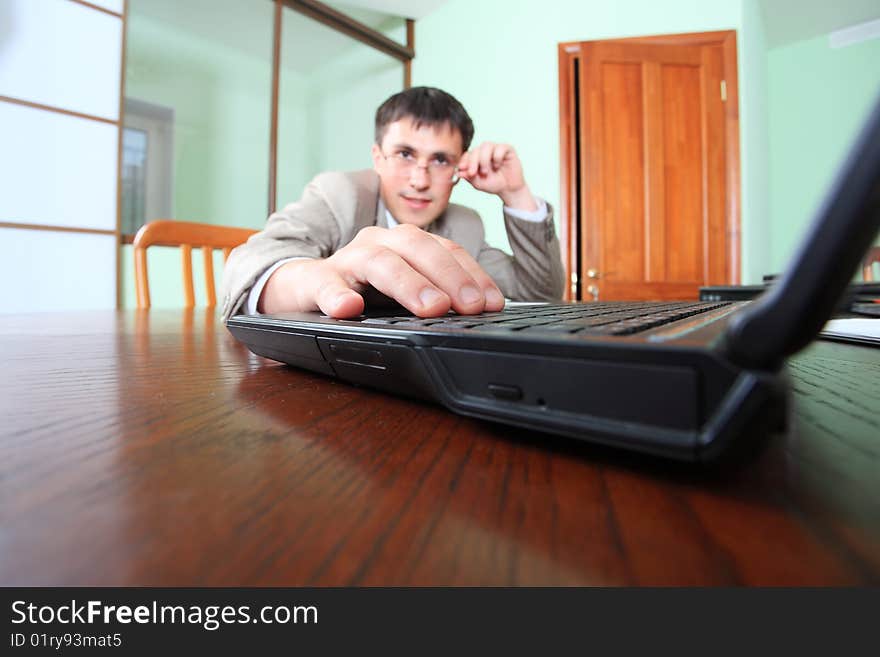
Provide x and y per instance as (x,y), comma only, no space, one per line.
(691,381)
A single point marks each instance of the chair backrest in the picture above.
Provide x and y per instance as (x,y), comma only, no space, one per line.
(872,256)
(187,235)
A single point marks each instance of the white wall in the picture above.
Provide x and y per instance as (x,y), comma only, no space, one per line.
(60,67)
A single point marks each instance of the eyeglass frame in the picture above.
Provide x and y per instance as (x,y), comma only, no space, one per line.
(409,167)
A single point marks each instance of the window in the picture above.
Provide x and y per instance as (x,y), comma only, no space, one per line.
(134,178)
(147,164)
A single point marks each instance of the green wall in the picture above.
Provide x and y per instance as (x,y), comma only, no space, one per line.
(818,98)
(502,65)
(754,146)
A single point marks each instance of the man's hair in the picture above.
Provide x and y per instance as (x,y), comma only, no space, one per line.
(425,106)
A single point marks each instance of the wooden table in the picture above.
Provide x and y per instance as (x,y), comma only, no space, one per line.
(151,448)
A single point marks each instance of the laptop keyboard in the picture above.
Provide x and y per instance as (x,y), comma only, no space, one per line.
(597,318)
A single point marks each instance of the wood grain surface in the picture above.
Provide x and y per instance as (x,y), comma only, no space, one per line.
(150,448)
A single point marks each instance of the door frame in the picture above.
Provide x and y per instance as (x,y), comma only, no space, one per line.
(568,56)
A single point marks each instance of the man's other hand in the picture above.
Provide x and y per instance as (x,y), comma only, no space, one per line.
(496,169)
(427,274)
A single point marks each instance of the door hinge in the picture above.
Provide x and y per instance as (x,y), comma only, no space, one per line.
(724,91)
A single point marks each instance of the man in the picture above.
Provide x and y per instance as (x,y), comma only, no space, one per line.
(393,230)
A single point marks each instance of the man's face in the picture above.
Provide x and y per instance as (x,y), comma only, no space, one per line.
(415,167)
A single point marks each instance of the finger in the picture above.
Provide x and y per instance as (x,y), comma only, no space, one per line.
(437,262)
(485,156)
(471,163)
(491,291)
(499,154)
(464,175)
(390,274)
(334,296)
(461,167)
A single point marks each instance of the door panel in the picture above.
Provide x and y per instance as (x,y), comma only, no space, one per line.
(653,170)
(682,219)
(623,147)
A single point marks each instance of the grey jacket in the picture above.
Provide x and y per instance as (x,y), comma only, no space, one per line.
(336,205)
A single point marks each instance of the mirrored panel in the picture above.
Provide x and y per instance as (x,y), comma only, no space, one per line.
(198,100)
(198,108)
(330,88)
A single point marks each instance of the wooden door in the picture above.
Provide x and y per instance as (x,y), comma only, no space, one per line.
(657,197)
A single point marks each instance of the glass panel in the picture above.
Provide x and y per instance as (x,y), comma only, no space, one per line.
(40,151)
(53,271)
(60,54)
(331,86)
(201,70)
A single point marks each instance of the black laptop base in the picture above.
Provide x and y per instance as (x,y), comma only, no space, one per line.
(680,401)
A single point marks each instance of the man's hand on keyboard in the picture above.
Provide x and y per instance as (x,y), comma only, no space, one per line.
(425,273)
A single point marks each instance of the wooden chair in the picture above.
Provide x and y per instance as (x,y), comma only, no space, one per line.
(186,235)
(872,256)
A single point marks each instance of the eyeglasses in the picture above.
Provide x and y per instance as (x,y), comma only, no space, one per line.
(403,162)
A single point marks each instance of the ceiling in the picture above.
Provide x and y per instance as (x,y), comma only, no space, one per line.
(787,21)
(406,8)
(246,25)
